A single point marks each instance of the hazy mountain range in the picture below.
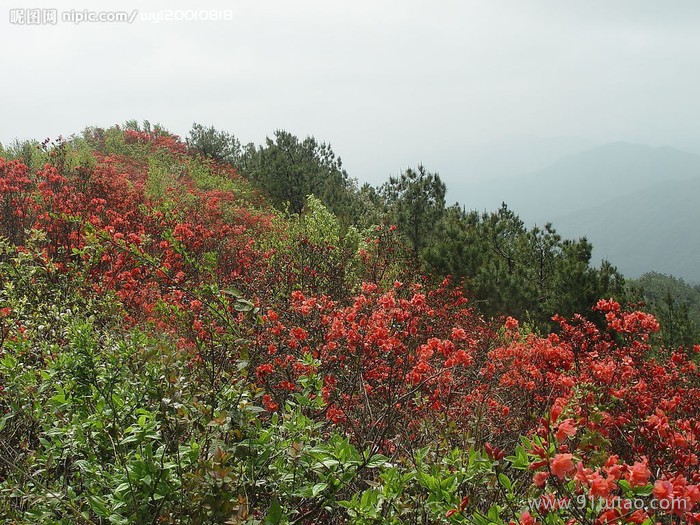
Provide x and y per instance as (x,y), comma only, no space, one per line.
(637,204)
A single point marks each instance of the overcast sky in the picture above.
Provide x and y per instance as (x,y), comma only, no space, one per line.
(387,83)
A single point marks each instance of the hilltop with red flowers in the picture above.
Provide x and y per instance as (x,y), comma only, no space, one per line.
(199,334)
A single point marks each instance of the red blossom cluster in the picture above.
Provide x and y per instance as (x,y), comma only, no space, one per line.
(632,415)
(15,199)
(148,250)
(389,360)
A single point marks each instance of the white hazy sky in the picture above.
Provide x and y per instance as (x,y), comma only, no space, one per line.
(387,83)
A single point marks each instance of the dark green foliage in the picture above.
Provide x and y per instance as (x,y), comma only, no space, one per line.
(288,170)
(529,274)
(416,203)
(674,302)
(218,145)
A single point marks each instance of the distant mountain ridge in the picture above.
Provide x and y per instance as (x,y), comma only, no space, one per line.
(636,203)
(653,229)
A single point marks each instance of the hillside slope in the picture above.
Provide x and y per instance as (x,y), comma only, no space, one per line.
(174,350)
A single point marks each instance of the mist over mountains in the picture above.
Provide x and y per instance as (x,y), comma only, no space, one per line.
(637,204)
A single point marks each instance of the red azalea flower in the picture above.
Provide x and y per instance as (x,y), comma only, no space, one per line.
(562,465)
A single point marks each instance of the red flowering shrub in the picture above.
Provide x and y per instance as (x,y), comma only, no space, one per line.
(391,361)
(16,205)
(100,221)
(627,416)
